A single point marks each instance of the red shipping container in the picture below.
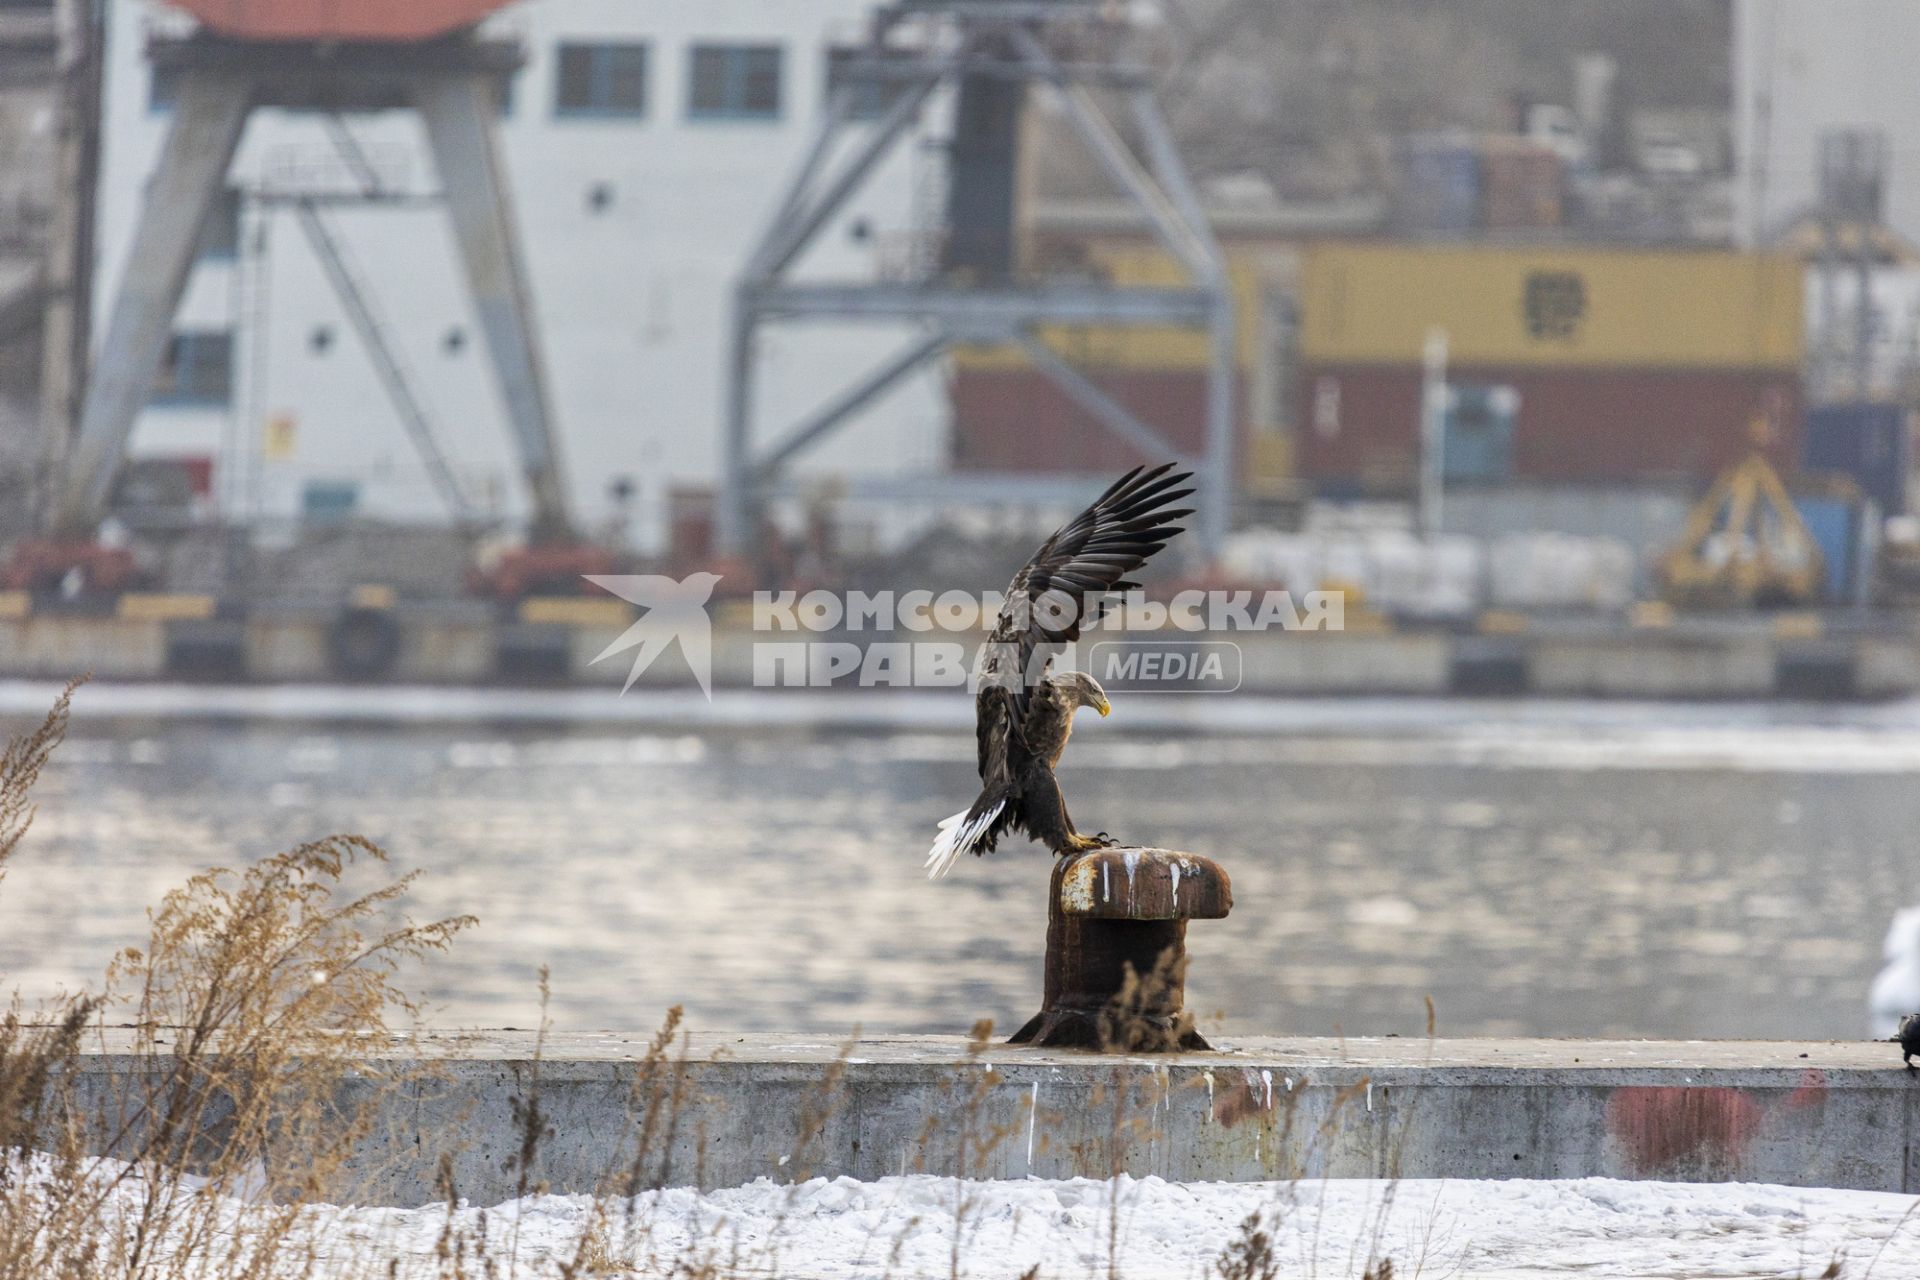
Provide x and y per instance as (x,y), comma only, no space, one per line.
(1016,419)
(690,537)
(1359,424)
(388,20)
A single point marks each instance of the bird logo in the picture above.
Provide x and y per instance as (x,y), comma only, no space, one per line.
(673,610)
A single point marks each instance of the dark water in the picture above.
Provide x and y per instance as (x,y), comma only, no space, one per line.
(1559,870)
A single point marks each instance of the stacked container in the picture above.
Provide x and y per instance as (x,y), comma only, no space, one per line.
(1009,416)
(1439,185)
(1627,365)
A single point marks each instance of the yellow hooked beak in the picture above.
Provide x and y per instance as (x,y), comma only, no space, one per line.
(1104,707)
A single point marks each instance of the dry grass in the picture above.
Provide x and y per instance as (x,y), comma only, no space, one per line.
(1249,1255)
(20,768)
(1135,1022)
(251,1006)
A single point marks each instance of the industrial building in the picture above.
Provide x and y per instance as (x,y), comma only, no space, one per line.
(644,146)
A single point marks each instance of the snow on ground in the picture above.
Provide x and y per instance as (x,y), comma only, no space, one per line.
(917,1226)
(1591,1227)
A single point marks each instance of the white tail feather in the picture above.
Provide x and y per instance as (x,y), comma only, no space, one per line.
(958,836)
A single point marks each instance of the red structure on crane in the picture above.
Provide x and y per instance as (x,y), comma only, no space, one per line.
(338,19)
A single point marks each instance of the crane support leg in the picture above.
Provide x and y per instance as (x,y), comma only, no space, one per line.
(207,122)
(459,114)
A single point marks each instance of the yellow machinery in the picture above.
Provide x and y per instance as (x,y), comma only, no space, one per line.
(1745,546)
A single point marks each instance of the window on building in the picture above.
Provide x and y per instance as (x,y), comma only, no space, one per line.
(329,501)
(872,94)
(601,80)
(198,369)
(734,82)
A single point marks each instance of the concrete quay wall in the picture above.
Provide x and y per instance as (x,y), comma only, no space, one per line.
(738,1108)
(188,638)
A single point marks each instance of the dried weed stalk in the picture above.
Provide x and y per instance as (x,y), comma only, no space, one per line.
(240,1082)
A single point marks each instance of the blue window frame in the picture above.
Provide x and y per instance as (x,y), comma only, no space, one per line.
(734,82)
(198,369)
(601,80)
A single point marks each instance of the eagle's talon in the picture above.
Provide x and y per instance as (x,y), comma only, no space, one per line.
(1102,840)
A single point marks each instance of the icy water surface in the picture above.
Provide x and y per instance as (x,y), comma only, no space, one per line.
(1556,869)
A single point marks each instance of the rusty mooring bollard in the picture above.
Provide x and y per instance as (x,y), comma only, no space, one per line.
(1117,949)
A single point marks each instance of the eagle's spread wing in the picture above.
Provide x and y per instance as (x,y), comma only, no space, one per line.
(1060,589)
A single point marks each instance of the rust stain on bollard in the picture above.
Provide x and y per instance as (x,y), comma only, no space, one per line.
(1116,949)
(1142,884)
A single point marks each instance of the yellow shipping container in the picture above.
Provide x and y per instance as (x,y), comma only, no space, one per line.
(1373,304)
(1148,347)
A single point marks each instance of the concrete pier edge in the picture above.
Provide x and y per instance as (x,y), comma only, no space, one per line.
(465,643)
(1831,1114)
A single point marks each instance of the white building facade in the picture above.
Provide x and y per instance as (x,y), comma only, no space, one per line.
(646,145)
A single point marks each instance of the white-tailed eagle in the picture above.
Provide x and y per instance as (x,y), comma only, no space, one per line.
(1024,713)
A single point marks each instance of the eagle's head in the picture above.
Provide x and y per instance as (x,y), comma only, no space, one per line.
(1085,691)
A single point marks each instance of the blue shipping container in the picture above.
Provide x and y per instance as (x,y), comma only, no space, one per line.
(1439,186)
(1478,439)
(1868,443)
(1835,526)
